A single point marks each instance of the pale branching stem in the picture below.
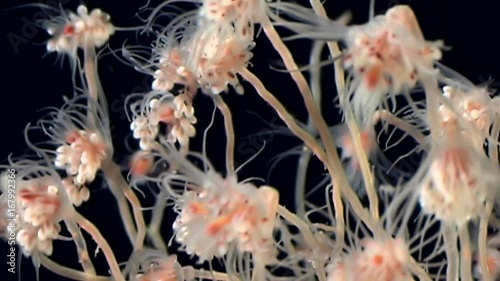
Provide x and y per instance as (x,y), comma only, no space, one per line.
(228,124)
(316,149)
(465,254)
(284,115)
(258,270)
(123,208)
(299,132)
(117,184)
(90,228)
(333,47)
(120,187)
(306,138)
(333,163)
(93,89)
(399,123)
(432,93)
(156,220)
(308,237)
(115,181)
(339,209)
(138,216)
(364,164)
(488,216)
(90,71)
(305,155)
(495,135)
(92,83)
(452,255)
(81,247)
(351,124)
(482,242)
(304,89)
(360,211)
(70,273)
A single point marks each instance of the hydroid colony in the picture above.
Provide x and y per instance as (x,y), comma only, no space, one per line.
(439,223)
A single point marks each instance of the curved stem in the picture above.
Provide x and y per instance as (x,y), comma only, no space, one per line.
(92,83)
(308,238)
(353,128)
(124,211)
(333,162)
(465,255)
(305,155)
(156,220)
(452,255)
(432,96)
(90,228)
(482,242)
(228,124)
(258,270)
(81,247)
(284,115)
(115,180)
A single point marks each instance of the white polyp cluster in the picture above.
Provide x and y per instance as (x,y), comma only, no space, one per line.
(209,57)
(77,193)
(177,114)
(209,52)
(80,30)
(386,56)
(377,261)
(457,184)
(39,208)
(144,130)
(171,71)
(241,15)
(28,239)
(475,107)
(210,220)
(82,156)
(222,56)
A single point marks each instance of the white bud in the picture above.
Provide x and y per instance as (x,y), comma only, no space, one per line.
(153,103)
(82,10)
